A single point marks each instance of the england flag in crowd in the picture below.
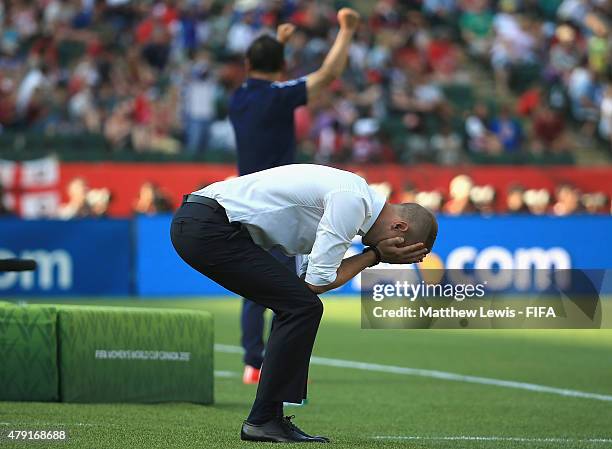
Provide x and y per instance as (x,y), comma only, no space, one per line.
(31,187)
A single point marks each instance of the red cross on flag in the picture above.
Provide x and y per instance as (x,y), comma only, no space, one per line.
(31,188)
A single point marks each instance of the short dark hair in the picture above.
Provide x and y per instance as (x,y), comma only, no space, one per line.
(266,54)
(423,226)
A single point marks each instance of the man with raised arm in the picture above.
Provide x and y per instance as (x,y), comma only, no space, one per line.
(262,115)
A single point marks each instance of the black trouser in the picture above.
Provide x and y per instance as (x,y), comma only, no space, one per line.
(225,252)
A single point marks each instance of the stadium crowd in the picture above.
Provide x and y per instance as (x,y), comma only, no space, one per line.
(84,201)
(464,197)
(155,76)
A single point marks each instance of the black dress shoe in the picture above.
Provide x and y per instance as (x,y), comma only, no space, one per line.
(277,430)
(300,431)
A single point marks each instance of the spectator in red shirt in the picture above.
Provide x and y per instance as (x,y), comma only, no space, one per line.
(548,131)
(529,101)
(442,56)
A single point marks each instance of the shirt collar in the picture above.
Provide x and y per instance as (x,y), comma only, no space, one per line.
(257,82)
(378,203)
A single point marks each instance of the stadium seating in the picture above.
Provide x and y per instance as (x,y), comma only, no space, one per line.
(82,65)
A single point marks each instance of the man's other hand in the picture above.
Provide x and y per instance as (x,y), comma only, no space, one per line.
(348,19)
(391,251)
(284,32)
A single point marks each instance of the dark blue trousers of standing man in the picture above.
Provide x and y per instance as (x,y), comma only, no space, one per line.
(252,321)
(261,113)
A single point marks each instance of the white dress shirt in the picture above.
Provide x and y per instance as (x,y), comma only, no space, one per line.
(302,209)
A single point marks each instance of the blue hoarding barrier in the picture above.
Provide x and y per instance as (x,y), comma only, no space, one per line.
(119,257)
(159,269)
(504,242)
(79,257)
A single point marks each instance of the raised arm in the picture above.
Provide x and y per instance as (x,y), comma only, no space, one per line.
(335,60)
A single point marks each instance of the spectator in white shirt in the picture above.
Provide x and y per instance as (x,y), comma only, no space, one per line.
(605,115)
(242,33)
(35,79)
(199,100)
(447,146)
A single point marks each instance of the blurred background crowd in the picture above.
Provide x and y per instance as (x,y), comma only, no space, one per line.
(441,81)
(84,201)
(463,197)
(445,82)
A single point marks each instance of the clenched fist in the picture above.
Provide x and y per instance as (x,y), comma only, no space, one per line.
(348,19)
(284,32)
(391,251)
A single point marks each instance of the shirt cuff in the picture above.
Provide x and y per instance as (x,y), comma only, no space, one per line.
(303,265)
(319,277)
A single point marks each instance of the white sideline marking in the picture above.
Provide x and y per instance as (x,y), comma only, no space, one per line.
(219,373)
(48,424)
(435,374)
(493,438)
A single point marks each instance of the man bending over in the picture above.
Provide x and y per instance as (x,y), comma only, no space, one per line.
(224,231)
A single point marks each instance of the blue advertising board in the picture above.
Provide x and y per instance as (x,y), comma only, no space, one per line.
(159,269)
(505,242)
(77,257)
(121,257)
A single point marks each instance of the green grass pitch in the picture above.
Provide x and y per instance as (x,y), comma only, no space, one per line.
(357,407)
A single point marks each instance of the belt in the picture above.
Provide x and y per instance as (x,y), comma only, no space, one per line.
(201,200)
(217,208)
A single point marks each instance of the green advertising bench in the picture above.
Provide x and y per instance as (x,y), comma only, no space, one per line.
(105,354)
